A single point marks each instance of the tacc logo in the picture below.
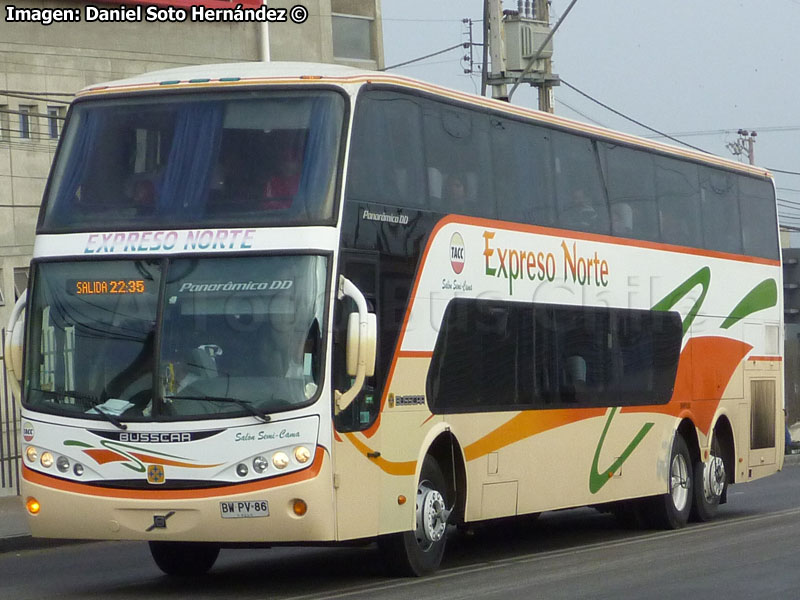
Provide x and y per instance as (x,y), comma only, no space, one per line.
(457,253)
(27,431)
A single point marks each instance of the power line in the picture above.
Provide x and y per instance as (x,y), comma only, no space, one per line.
(432,54)
(632,120)
(774,129)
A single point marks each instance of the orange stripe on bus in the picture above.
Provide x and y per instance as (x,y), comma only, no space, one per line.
(154,494)
(414,354)
(524,425)
(101,456)
(387,466)
(765,358)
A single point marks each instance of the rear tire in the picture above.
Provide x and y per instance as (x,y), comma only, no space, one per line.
(710,484)
(419,552)
(671,510)
(184,559)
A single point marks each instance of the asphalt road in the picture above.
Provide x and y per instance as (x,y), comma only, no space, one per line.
(750,551)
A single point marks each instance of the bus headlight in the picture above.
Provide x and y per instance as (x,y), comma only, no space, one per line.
(78,469)
(31,454)
(260,464)
(47,460)
(62,464)
(241,469)
(280,460)
(302,454)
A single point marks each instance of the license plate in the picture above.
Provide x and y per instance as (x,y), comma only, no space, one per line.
(244,509)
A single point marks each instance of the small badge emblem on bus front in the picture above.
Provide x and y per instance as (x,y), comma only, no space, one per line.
(155,474)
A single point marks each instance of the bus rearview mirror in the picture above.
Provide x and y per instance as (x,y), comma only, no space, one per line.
(13,346)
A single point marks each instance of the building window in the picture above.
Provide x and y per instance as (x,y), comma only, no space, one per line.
(26,121)
(352,37)
(20,281)
(5,129)
(54,117)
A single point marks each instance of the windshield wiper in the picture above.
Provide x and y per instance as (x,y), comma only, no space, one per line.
(248,406)
(94,401)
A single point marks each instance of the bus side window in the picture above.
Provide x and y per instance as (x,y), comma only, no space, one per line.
(678,195)
(757,208)
(719,195)
(631,182)
(580,193)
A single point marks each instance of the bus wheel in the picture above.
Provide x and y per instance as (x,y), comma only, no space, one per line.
(419,552)
(710,481)
(184,558)
(671,510)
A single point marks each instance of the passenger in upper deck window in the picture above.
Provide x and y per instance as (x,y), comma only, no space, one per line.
(281,187)
(579,212)
(455,194)
(674,228)
(144,197)
(622,219)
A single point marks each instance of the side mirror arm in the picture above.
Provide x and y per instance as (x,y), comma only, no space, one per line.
(347,288)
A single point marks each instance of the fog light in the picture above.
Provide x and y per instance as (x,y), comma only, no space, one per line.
(47,460)
(33,506)
(299,507)
(302,454)
(280,460)
(78,469)
(260,464)
(62,464)
(31,454)
(241,469)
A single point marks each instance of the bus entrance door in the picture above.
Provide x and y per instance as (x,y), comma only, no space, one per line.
(357,476)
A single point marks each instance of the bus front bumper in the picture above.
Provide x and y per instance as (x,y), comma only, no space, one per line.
(71,511)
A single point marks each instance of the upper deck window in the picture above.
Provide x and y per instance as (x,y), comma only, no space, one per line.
(249,158)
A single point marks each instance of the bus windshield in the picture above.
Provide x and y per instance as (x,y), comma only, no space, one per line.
(246,158)
(176,338)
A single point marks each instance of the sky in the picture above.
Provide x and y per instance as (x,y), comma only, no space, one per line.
(698,70)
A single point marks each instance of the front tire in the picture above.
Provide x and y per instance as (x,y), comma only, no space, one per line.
(184,559)
(419,552)
(671,510)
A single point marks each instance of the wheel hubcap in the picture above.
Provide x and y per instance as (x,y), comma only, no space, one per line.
(679,482)
(431,516)
(713,478)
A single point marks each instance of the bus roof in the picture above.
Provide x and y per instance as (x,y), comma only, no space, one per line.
(277,73)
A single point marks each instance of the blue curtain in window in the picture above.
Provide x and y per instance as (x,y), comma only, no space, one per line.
(319,151)
(81,152)
(194,151)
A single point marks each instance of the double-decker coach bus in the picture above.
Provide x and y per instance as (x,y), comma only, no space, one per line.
(293,303)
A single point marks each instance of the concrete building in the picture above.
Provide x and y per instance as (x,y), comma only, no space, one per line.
(41,66)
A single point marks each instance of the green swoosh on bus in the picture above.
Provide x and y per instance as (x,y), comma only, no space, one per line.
(596,479)
(701,278)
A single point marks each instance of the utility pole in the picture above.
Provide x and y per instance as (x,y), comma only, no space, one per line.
(497,48)
(541,12)
(744,145)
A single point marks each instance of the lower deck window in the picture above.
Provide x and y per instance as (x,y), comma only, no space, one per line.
(496,355)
